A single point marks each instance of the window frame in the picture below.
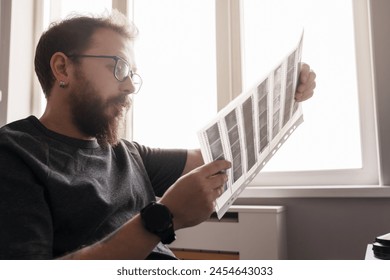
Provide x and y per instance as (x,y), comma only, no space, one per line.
(368,175)
(371,179)
(362,181)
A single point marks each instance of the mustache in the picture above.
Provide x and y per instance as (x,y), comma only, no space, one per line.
(121,101)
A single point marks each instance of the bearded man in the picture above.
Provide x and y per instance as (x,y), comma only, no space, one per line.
(69,187)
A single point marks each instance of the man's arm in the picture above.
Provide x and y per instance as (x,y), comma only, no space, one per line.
(190,200)
(194,160)
(131,241)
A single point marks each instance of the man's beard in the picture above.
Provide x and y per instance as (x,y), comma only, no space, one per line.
(95,117)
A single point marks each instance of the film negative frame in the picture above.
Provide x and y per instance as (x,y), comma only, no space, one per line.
(253,126)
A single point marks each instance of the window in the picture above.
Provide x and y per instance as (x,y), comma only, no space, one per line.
(178,55)
(330,136)
(329,148)
(67,7)
(175,55)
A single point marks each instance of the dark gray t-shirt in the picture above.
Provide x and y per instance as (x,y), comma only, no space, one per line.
(58,194)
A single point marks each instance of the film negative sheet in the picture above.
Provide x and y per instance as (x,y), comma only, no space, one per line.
(253,126)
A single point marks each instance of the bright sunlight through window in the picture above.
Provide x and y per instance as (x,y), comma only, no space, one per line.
(175,56)
(330,136)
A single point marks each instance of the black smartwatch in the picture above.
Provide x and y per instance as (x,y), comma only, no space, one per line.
(158,220)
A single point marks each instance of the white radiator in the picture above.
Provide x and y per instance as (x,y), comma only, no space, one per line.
(254,232)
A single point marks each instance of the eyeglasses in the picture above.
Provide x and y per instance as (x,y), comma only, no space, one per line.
(122,69)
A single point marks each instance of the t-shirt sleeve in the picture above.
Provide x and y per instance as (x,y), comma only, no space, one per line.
(164,166)
(26,227)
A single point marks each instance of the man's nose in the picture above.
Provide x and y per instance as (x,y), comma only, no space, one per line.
(128,85)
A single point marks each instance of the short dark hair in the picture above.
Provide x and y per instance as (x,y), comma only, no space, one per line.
(73,35)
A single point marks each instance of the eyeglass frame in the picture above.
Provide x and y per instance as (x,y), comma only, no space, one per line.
(116,58)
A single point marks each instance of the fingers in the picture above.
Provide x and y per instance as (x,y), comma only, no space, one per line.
(218,181)
(192,198)
(215,177)
(219,191)
(218,177)
(215,167)
(307,84)
(304,75)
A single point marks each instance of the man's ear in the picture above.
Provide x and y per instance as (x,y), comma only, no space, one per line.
(59,64)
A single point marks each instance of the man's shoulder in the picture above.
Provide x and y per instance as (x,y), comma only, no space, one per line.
(129,147)
(20,135)
(17,128)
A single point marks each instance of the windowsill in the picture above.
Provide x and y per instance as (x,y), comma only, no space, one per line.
(316,192)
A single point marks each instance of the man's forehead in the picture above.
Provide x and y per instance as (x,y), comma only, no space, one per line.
(110,42)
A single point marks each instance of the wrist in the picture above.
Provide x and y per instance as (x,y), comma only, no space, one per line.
(175,214)
(158,219)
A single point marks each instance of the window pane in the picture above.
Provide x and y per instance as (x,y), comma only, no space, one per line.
(330,136)
(175,56)
(84,6)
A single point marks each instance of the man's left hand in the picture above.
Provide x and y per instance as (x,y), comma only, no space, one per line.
(306,83)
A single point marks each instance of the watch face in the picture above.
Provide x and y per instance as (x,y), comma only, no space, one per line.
(159,217)
(158,220)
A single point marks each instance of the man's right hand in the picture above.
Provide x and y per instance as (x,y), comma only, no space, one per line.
(192,197)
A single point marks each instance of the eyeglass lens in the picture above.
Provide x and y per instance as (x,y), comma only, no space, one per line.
(122,70)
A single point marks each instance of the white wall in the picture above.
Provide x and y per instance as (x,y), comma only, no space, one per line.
(381,50)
